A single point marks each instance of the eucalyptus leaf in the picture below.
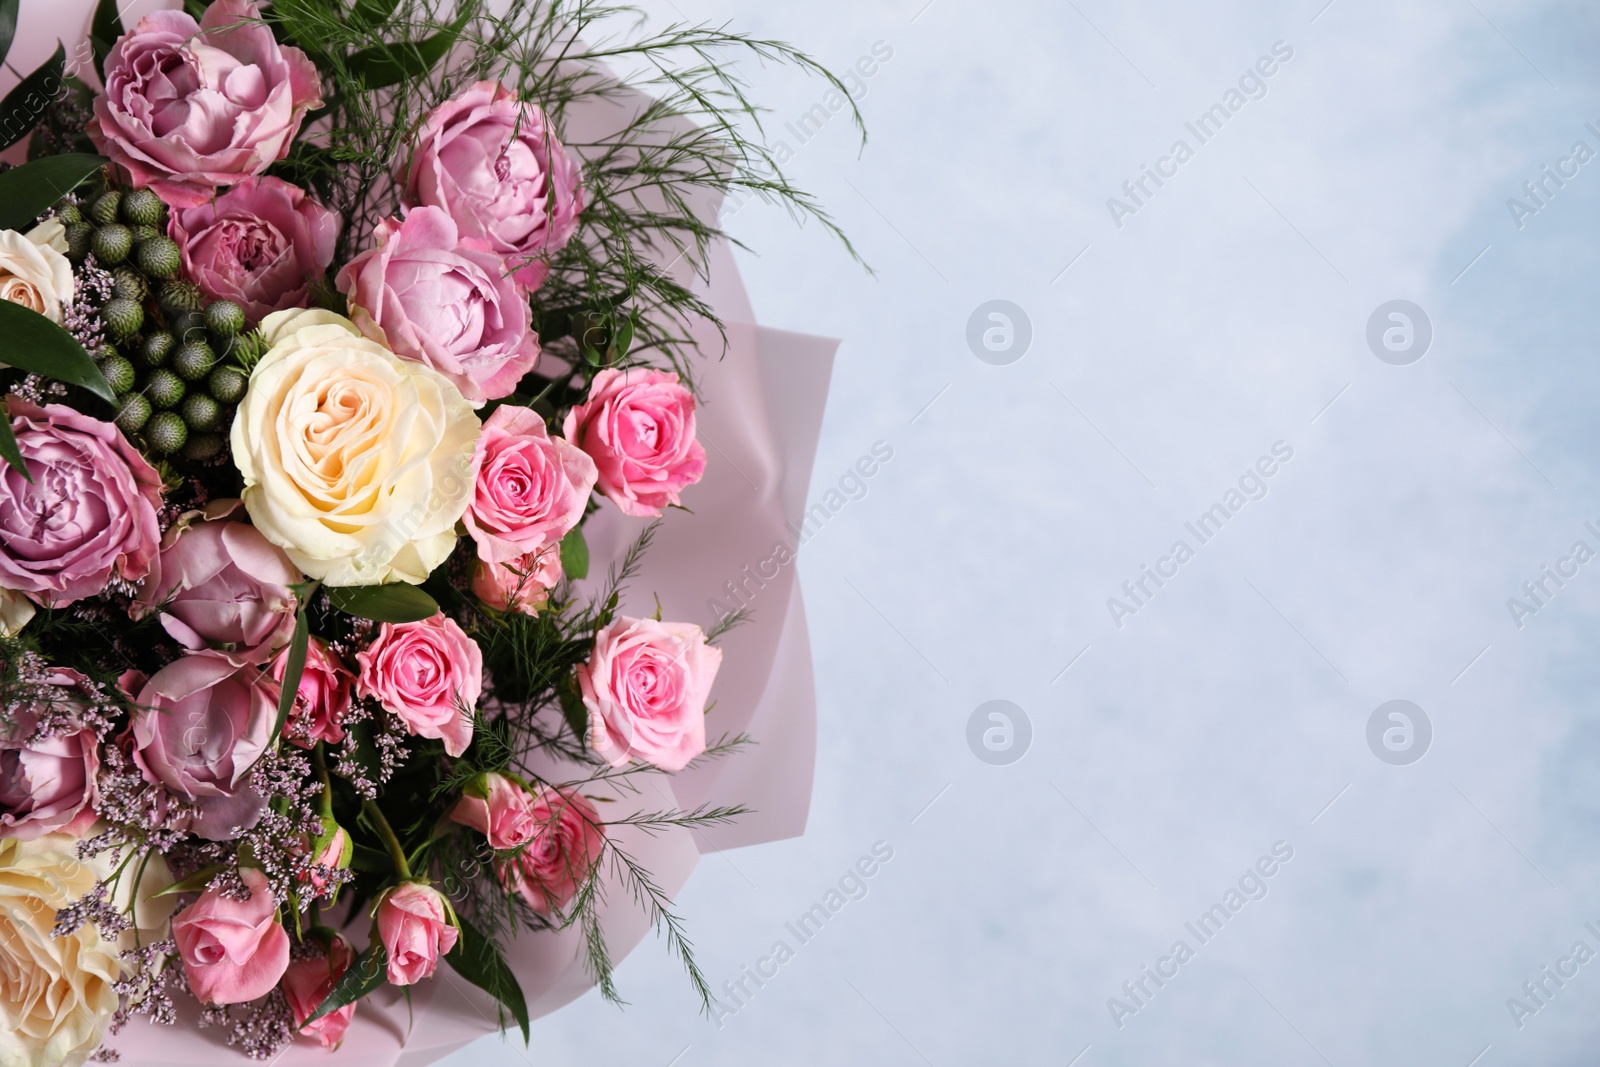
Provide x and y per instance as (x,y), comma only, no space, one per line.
(31,342)
(195,883)
(384,603)
(477,959)
(575,554)
(24,106)
(9,450)
(8,25)
(28,191)
(366,973)
(293,668)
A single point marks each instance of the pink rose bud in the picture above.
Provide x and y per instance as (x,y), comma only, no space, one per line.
(222,586)
(498,808)
(639,426)
(190,106)
(307,983)
(429,675)
(416,929)
(529,489)
(323,698)
(331,850)
(493,164)
(554,864)
(259,245)
(522,584)
(646,686)
(233,950)
(88,515)
(445,301)
(47,784)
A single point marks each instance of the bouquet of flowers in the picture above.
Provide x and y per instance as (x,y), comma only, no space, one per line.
(321,341)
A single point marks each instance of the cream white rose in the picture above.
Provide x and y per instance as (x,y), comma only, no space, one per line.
(56,993)
(16,611)
(33,272)
(356,463)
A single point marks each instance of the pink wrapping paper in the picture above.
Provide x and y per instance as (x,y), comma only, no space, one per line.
(760,418)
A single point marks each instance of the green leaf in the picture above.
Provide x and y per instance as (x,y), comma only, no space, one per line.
(9,450)
(294,668)
(104,31)
(573,709)
(382,65)
(24,106)
(195,883)
(31,342)
(477,959)
(8,25)
(28,191)
(575,554)
(384,603)
(366,973)
(370,13)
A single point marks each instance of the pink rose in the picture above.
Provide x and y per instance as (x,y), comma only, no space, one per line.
(233,950)
(307,983)
(443,301)
(522,585)
(646,685)
(47,783)
(322,700)
(494,165)
(191,106)
(200,724)
(416,930)
(554,864)
(429,674)
(260,244)
(529,488)
(331,851)
(88,515)
(638,424)
(221,585)
(503,813)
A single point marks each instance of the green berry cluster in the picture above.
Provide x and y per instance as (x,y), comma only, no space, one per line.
(166,341)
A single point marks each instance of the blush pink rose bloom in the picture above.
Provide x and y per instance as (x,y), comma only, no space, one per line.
(416,931)
(200,724)
(221,585)
(260,244)
(646,685)
(47,784)
(638,424)
(233,950)
(429,674)
(560,856)
(503,814)
(307,983)
(88,515)
(494,165)
(522,585)
(529,488)
(444,301)
(192,106)
(323,698)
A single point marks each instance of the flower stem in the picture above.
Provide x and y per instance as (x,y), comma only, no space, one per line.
(385,831)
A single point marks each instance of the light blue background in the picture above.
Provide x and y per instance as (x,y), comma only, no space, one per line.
(1221,318)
